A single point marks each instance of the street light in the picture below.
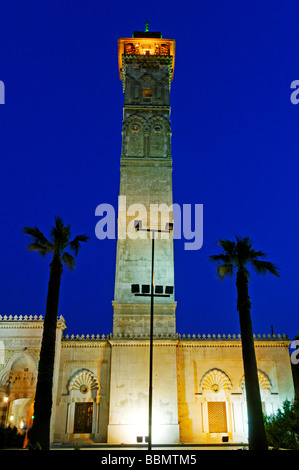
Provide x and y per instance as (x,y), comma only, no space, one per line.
(169,228)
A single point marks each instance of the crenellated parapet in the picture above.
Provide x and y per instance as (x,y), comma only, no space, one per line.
(29,318)
(21,318)
(176,337)
(233,337)
(87,337)
(12,323)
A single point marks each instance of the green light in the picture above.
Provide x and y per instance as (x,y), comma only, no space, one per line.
(146,26)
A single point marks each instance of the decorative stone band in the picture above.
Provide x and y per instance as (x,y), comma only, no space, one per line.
(22,318)
(177,336)
(87,337)
(30,318)
(233,337)
(147,62)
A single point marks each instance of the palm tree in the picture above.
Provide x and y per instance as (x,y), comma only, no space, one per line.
(57,245)
(239,256)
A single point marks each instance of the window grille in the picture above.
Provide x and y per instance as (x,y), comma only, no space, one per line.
(217,416)
(83,418)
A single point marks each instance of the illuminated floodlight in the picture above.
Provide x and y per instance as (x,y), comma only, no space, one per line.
(169,290)
(135,288)
(159,289)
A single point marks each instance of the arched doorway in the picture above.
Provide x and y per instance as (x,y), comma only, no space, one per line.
(83,408)
(214,406)
(17,390)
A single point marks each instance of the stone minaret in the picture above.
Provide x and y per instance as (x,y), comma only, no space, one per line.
(146,65)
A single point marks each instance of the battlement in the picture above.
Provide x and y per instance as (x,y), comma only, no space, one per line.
(21,318)
(233,337)
(30,318)
(177,336)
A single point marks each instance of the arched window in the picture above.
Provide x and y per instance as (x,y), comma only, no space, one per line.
(133,137)
(264,382)
(265,391)
(159,137)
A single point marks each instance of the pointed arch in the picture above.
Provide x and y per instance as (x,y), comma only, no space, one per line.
(264,381)
(147,80)
(18,379)
(132,90)
(134,129)
(159,137)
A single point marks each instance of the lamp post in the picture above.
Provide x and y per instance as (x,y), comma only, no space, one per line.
(169,228)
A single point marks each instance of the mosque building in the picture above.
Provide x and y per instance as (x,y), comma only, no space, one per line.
(109,388)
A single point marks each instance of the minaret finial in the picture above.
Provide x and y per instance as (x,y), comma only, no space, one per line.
(146,25)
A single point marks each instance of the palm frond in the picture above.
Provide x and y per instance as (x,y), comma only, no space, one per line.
(244,240)
(240,255)
(227,245)
(60,233)
(37,237)
(225,270)
(75,243)
(243,250)
(42,250)
(224,258)
(60,225)
(257,254)
(263,267)
(68,260)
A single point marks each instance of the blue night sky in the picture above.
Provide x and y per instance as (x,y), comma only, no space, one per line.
(235,147)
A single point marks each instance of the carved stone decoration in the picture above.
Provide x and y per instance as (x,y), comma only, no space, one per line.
(84,381)
(215,380)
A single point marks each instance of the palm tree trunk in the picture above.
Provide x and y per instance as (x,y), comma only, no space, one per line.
(256,429)
(39,435)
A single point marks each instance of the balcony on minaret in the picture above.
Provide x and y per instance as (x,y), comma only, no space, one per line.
(147,44)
